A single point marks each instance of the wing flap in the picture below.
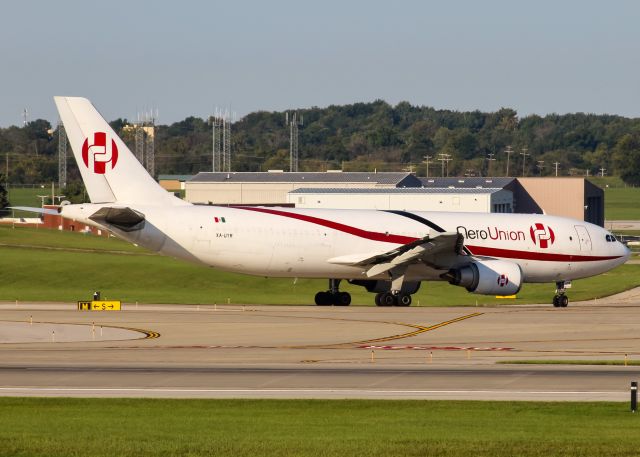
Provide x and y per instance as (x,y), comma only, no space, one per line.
(446,243)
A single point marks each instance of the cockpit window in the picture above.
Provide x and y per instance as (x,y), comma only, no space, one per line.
(611,238)
(608,237)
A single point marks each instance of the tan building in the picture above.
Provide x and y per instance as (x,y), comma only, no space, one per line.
(570,197)
(559,196)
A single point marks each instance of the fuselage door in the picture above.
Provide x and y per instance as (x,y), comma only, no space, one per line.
(583,236)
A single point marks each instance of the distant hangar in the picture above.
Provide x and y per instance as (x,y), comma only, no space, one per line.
(563,196)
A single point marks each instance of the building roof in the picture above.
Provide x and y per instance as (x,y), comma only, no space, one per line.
(174,177)
(465,182)
(403,190)
(387,178)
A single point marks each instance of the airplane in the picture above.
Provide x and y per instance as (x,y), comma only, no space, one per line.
(388,252)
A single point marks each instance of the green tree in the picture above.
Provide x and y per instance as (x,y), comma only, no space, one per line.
(626,158)
(4,202)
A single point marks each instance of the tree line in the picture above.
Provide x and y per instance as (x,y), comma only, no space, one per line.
(367,137)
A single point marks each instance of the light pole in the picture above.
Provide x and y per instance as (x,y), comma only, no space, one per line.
(524,158)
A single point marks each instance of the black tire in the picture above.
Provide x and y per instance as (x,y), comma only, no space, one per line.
(403,300)
(564,301)
(342,299)
(556,301)
(387,299)
(378,299)
(323,299)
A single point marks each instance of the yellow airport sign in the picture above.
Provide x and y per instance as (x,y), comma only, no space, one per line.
(99,305)
(505,296)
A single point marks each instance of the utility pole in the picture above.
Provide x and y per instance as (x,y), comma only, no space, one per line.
(444,158)
(602,172)
(524,158)
(427,158)
(509,151)
(556,164)
(540,166)
(490,159)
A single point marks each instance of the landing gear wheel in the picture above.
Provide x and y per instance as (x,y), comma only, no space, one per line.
(323,299)
(560,301)
(564,301)
(378,300)
(403,300)
(342,299)
(387,299)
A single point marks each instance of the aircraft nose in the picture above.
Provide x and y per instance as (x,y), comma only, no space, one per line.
(627,252)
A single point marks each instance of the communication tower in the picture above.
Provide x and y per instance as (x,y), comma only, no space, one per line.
(62,156)
(145,137)
(294,124)
(221,140)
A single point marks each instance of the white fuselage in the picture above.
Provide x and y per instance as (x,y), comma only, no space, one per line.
(287,242)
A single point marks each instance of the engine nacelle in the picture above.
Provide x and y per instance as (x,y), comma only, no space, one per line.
(487,277)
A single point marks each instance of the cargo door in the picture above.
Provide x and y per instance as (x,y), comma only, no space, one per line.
(583,236)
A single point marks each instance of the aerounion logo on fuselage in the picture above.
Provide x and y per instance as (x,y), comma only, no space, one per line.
(491,233)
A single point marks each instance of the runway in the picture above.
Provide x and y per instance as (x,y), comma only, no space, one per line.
(321,352)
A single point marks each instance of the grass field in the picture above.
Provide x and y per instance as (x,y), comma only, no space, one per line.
(80,264)
(137,427)
(620,200)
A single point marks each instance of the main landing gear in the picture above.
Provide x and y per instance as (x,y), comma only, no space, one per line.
(391,299)
(333,296)
(560,300)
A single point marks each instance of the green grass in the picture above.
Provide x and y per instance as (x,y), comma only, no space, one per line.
(634,363)
(621,203)
(132,274)
(136,427)
(28,196)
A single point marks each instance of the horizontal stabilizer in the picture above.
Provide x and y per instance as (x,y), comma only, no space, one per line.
(35,210)
(125,219)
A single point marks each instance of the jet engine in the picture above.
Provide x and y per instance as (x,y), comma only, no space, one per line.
(487,277)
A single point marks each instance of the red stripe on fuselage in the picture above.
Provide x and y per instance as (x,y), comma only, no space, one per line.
(374,236)
(533,255)
(401,239)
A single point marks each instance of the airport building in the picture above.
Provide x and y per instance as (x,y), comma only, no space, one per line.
(484,200)
(573,197)
(271,188)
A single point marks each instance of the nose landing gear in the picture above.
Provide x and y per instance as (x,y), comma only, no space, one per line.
(560,300)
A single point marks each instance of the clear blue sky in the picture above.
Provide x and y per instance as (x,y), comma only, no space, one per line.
(186,57)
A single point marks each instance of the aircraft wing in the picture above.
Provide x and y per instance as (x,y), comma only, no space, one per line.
(423,250)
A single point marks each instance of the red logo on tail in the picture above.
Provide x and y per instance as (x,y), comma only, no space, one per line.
(100,152)
(542,235)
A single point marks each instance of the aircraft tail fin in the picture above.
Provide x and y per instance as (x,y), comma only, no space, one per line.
(110,171)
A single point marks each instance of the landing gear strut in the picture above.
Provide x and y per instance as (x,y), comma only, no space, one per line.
(333,296)
(560,300)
